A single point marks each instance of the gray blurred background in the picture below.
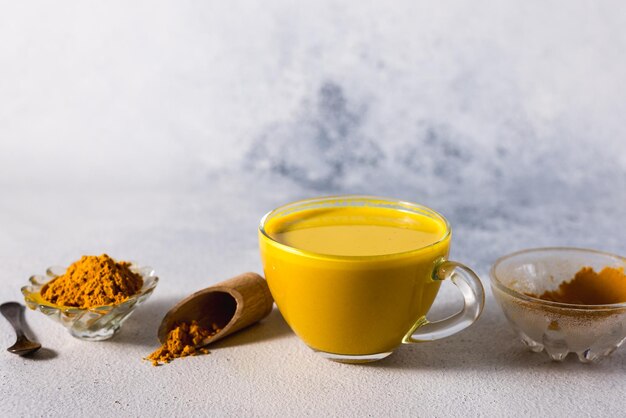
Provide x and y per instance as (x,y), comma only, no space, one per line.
(508,119)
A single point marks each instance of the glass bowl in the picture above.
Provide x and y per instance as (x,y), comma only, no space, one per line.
(91,324)
(591,331)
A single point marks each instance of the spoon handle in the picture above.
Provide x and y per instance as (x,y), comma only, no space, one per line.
(14,312)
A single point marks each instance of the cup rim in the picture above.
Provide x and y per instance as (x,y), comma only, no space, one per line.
(353,197)
(495,281)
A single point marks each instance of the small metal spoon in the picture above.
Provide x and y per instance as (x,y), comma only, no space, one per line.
(14,313)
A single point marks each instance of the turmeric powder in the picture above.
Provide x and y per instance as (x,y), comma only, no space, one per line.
(184,340)
(590,288)
(93,281)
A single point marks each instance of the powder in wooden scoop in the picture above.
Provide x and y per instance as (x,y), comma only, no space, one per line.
(590,288)
(184,340)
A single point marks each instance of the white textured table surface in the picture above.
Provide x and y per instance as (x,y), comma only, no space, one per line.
(162,132)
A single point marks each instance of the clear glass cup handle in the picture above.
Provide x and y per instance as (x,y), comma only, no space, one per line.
(473,296)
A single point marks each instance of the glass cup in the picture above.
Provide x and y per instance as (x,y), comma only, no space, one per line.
(360,308)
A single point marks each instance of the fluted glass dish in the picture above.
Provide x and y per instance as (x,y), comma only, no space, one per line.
(591,331)
(91,324)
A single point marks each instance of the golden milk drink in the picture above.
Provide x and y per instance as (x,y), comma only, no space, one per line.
(353,279)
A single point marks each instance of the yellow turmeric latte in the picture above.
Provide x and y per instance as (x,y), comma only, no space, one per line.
(590,288)
(353,280)
(186,339)
(93,281)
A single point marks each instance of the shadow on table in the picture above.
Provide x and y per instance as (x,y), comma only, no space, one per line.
(142,326)
(489,345)
(43,354)
(271,328)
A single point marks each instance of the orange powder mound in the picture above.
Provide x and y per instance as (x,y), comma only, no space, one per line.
(184,340)
(93,281)
(590,288)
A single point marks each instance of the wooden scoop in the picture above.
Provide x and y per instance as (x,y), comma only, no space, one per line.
(231,305)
